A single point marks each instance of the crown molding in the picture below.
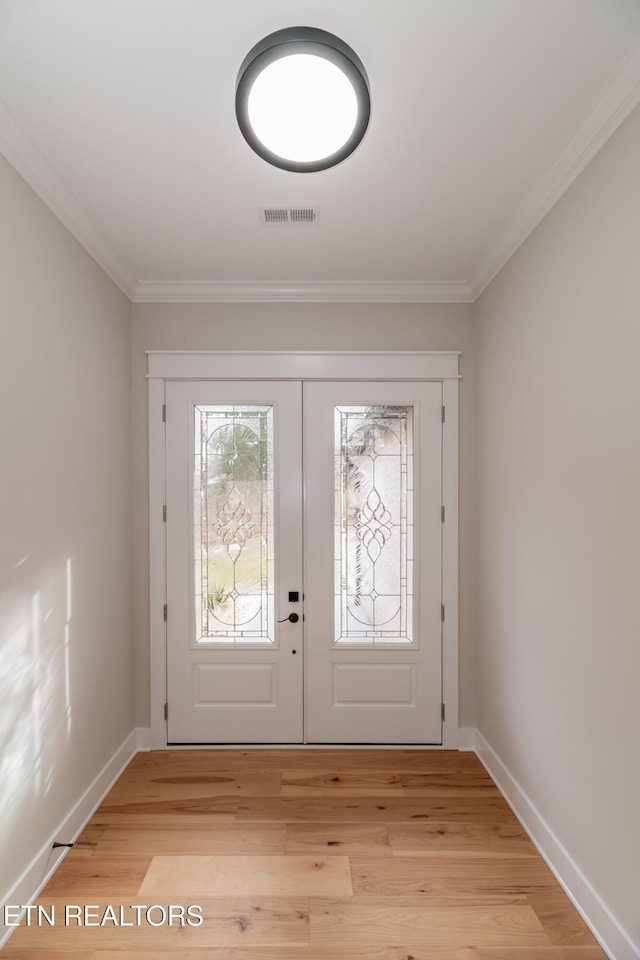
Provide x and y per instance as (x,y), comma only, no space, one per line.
(22,153)
(621,96)
(338,292)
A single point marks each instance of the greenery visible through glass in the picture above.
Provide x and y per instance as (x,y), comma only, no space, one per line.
(233,523)
(373,524)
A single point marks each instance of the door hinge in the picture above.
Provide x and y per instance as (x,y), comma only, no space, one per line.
(166,711)
(442,712)
(441,513)
(164,412)
(165,611)
(443,414)
(164,512)
(441,611)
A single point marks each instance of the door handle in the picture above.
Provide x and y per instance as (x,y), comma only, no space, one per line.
(292,618)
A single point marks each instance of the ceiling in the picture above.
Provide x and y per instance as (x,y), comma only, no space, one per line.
(120,114)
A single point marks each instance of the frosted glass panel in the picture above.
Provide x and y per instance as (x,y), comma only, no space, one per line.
(233,524)
(374,524)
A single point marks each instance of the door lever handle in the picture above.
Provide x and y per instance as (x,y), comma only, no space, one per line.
(292,618)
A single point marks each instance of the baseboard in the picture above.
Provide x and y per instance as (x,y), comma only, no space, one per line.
(613,938)
(466,738)
(47,860)
(143,739)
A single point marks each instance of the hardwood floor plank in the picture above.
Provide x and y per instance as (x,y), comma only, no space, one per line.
(469,783)
(84,848)
(139,810)
(450,876)
(560,919)
(318,791)
(11,952)
(91,834)
(346,839)
(84,878)
(83,932)
(248,921)
(446,778)
(454,784)
(361,920)
(187,839)
(542,953)
(245,876)
(371,809)
(379,783)
(187,819)
(468,839)
(174,785)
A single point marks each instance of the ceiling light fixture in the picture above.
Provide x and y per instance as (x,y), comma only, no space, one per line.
(302,99)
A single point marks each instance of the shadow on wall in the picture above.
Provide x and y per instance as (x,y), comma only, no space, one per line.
(35,707)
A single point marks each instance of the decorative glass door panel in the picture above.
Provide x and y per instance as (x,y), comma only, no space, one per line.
(233,524)
(373,524)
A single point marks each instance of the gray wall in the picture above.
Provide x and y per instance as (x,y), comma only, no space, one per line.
(302,327)
(559,520)
(65,543)
(557,396)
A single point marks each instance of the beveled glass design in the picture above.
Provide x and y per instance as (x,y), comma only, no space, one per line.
(233,524)
(373,524)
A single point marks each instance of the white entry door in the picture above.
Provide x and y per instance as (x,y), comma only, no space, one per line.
(359,566)
(373,562)
(234,551)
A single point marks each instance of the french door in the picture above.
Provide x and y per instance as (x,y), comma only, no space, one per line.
(304,561)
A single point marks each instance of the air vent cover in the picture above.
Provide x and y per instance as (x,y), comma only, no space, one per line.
(286,216)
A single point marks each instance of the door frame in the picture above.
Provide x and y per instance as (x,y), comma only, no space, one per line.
(166,365)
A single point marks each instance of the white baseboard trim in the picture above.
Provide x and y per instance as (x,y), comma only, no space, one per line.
(47,860)
(143,739)
(466,738)
(605,927)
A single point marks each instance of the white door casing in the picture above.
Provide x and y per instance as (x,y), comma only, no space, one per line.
(166,366)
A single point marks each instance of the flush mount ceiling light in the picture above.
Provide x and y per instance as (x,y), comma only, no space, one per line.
(302,99)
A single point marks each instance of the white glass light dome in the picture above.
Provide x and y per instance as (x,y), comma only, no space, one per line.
(303,107)
(302,99)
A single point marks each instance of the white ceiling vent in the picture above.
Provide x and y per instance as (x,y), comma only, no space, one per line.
(286,216)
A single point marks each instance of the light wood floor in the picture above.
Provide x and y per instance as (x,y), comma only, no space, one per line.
(309,855)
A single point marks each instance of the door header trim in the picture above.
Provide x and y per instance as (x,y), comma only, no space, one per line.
(305,365)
